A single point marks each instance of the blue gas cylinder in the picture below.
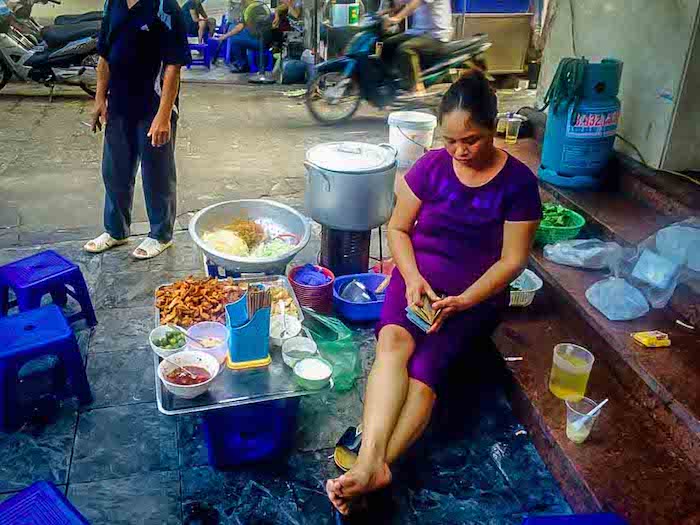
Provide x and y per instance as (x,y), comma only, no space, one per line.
(580,134)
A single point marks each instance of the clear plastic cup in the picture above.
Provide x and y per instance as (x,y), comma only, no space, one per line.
(512,129)
(578,428)
(571,368)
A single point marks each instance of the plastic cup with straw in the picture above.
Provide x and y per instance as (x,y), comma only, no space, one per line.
(581,415)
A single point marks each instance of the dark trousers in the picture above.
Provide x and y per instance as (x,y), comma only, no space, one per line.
(126,145)
(402,51)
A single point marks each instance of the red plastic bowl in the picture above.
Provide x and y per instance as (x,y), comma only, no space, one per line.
(319,298)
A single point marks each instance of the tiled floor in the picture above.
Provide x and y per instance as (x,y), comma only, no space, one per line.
(122,462)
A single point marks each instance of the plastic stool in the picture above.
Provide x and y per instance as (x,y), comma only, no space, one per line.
(204,51)
(41,503)
(46,272)
(254,57)
(30,335)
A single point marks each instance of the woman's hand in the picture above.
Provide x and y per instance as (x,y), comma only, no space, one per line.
(416,289)
(449,306)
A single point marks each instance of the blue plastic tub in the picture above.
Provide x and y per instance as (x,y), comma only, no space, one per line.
(250,433)
(358,312)
(459,6)
(576,519)
(498,6)
(42,503)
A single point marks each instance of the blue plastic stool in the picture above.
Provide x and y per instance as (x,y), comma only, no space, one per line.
(40,504)
(254,57)
(205,53)
(45,273)
(30,335)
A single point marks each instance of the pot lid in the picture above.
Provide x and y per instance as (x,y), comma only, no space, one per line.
(352,157)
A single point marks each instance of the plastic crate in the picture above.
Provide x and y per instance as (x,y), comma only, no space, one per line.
(576,519)
(358,312)
(41,503)
(250,433)
(497,6)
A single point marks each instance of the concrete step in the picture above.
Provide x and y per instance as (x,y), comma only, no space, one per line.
(631,464)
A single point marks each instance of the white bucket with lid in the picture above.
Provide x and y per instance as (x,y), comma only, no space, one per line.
(411,133)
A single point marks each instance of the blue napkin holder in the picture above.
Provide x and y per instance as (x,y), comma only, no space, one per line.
(248,340)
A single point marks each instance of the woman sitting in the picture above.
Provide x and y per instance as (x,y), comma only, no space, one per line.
(196,20)
(463,226)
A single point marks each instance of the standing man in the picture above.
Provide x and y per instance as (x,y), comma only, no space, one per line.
(142,46)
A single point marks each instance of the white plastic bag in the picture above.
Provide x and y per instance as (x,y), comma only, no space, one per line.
(585,253)
(617,299)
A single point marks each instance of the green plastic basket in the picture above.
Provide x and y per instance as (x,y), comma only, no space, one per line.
(552,234)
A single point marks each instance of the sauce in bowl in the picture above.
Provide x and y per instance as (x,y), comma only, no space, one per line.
(196,376)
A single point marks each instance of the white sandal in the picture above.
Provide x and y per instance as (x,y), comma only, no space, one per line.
(151,248)
(103,243)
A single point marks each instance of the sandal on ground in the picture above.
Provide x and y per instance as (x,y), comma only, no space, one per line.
(103,243)
(150,248)
(347,448)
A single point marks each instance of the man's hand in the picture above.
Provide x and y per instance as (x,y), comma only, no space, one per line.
(99,115)
(160,130)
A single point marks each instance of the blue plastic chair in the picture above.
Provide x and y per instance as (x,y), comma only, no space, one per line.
(254,57)
(28,336)
(41,503)
(46,272)
(205,55)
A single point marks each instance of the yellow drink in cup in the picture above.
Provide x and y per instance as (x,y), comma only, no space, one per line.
(571,368)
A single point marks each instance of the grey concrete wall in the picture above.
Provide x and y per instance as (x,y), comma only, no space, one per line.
(651,37)
(45,13)
(683,151)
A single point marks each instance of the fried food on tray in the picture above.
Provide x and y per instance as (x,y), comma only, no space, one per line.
(279,293)
(194,300)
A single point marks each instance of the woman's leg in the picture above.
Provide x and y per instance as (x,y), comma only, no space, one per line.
(413,420)
(387,387)
(203,30)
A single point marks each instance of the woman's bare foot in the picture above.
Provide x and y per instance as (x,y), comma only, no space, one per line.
(359,481)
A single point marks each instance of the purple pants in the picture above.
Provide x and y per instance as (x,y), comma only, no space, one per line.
(436,352)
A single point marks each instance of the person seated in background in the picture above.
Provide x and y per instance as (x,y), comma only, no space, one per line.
(196,20)
(241,39)
(288,16)
(421,44)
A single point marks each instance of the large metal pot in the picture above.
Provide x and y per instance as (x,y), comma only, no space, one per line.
(350,185)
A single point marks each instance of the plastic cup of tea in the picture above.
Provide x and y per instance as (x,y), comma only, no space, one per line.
(512,129)
(578,427)
(571,368)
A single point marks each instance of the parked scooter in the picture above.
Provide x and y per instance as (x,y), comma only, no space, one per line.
(67,56)
(82,25)
(339,85)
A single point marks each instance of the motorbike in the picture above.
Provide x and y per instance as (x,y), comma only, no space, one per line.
(66,55)
(339,85)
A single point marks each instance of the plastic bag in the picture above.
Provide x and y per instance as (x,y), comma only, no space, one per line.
(585,253)
(679,243)
(656,277)
(617,300)
(336,345)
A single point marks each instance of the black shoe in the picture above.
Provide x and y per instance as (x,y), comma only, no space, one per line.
(238,69)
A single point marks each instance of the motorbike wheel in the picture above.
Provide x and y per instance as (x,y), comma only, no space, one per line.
(332,98)
(5,74)
(88,89)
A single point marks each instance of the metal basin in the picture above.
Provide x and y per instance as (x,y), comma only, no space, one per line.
(281,217)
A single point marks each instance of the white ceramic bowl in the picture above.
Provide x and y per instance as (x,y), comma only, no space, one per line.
(277,326)
(298,348)
(188,358)
(159,333)
(306,380)
(210,329)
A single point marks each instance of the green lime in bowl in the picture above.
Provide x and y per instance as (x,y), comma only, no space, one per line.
(313,373)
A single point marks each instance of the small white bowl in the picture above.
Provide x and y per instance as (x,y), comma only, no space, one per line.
(188,358)
(210,329)
(298,348)
(277,326)
(159,333)
(301,373)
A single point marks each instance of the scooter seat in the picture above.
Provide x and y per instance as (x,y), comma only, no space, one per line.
(78,19)
(58,36)
(465,44)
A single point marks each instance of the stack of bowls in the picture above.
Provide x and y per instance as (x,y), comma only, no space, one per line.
(318,298)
